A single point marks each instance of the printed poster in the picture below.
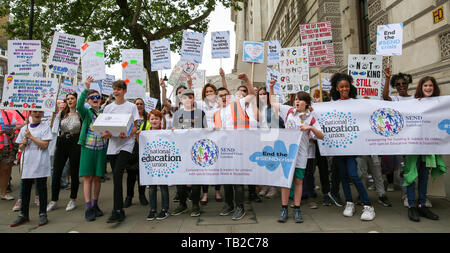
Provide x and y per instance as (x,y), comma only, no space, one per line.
(24,58)
(93,60)
(192,47)
(66,88)
(160,54)
(133,72)
(273,52)
(390,39)
(294,70)
(318,37)
(253,52)
(220,44)
(366,71)
(107,84)
(150,104)
(64,55)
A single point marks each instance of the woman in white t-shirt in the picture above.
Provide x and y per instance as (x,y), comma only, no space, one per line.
(297,117)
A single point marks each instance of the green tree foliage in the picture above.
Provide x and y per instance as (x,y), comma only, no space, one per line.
(121,24)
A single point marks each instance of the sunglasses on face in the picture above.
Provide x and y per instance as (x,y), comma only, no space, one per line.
(94,97)
(399,84)
(243,91)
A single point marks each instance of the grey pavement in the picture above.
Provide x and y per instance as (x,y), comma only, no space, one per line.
(260,218)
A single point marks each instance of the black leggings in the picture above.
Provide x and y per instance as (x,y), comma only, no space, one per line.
(41,184)
(205,188)
(66,148)
(119,163)
(133,175)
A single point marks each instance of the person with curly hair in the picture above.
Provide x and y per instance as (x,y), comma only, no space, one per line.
(400,82)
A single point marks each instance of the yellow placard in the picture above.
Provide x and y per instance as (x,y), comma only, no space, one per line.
(438,15)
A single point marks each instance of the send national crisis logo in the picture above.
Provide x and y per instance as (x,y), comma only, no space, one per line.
(386,122)
(204,153)
(271,158)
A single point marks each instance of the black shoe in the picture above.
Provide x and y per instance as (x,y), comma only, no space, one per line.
(326,200)
(413,214)
(239,213)
(43,219)
(162,215)
(127,203)
(176,198)
(226,210)
(116,216)
(425,212)
(283,215)
(89,214)
(254,197)
(152,215)
(384,201)
(297,215)
(19,221)
(143,200)
(122,216)
(336,199)
(98,212)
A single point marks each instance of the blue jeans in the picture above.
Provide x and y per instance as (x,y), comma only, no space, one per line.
(348,168)
(164,197)
(423,182)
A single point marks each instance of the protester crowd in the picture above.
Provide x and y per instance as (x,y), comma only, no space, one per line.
(66,143)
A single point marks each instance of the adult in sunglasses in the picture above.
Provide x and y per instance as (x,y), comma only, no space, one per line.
(400,82)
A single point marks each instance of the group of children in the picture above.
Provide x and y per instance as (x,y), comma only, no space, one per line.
(251,108)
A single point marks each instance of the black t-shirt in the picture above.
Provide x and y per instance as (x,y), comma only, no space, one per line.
(189,119)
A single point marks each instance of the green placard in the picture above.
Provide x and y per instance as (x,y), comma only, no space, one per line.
(139,81)
(133,62)
(99,54)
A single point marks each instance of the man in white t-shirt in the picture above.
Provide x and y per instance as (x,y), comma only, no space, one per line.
(120,148)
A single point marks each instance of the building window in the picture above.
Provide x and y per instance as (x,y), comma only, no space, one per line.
(1,71)
(2,52)
(363,25)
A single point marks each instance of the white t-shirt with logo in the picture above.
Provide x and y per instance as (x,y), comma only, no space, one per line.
(117,144)
(36,161)
(292,121)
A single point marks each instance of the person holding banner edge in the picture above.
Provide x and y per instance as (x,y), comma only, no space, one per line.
(93,151)
(418,167)
(343,89)
(297,117)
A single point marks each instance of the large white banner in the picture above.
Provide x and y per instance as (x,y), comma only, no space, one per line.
(366,72)
(374,127)
(210,157)
(133,72)
(192,47)
(64,54)
(24,57)
(29,93)
(93,60)
(294,69)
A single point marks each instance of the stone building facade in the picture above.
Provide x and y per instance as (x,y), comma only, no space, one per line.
(426,44)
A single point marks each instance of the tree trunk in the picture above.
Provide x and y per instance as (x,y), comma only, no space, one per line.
(153,78)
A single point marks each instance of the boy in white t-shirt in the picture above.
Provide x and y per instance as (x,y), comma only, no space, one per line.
(120,148)
(34,140)
(297,117)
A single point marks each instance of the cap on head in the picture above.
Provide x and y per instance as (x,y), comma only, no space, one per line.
(187,92)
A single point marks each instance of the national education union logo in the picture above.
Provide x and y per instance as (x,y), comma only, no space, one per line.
(340,129)
(204,153)
(386,122)
(161,158)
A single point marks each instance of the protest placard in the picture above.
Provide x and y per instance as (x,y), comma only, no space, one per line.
(24,57)
(273,75)
(192,47)
(93,60)
(66,88)
(326,84)
(220,44)
(160,54)
(94,86)
(366,72)
(133,72)
(150,103)
(65,54)
(107,84)
(390,39)
(273,52)
(253,52)
(294,70)
(180,71)
(318,37)
(29,93)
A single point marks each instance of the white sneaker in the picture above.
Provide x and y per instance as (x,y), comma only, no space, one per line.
(368,213)
(71,205)
(17,206)
(51,206)
(390,188)
(405,201)
(349,209)
(263,191)
(272,192)
(7,197)
(428,203)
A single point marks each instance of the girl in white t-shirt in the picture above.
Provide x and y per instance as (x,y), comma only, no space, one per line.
(297,117)
(34,140)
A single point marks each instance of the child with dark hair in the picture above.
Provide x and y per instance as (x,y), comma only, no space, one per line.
(342,89)
(400,82)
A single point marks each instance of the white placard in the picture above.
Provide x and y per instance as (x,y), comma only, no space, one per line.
(273,52)
(160,54)
(220,44)
(253,52)
(24,57)
(180,71)
(93,60)
(94,86)
(366,71)
(133,72)
(66,88)
(150,104)
(107,84)
(390,39)
(64,55)
(294,70)
(192,47)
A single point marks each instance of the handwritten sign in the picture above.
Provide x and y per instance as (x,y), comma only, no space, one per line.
(133,73)
(160,54)
(93,60)
(294,70)
(390,39)
(150,103)
(273,52)
(66,88)
(180,71)
(192,47)
(318,37)
(24,57)
(107,84)
(220,43)
(366,72)
(273,75)
(65,54)
(29,93)
(253,52)
(94,86)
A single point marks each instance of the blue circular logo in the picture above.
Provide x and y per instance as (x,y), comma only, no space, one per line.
(386,122)
(204,153)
